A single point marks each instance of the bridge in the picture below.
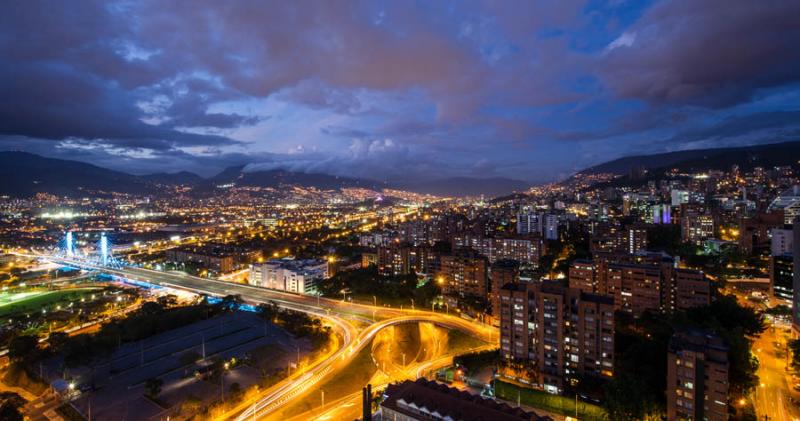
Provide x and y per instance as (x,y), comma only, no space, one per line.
(356,323)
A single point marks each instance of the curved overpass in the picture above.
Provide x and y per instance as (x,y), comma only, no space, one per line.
(335,311)
(344,356)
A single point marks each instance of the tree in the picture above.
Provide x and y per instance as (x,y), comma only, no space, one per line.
(151,308)
(56,341)
(234,390)
(10,406)
(152,386)
(231,302)
(22,347)
(794,347)
(268,311)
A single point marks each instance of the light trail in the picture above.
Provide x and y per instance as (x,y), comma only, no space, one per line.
(334,311)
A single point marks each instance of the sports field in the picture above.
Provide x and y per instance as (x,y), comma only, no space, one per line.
(11,303)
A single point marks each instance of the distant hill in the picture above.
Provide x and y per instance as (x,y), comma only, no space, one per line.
(466,186)
(277,177)
(747,157)
(181,177)
(24,174)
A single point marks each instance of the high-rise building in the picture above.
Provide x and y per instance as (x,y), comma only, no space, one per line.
(464,273)
(395,260)
(690,288)
(696,227)
(502,272)
(782,242)
(697,377)
(754,232)
(781,276)
(679,197)
(404,259)
(524,250)
(613,238)
(529,223)
(550,227)
(796,282)
(789,202)
(635,288)
(583,276)
(641,282)
(558,333)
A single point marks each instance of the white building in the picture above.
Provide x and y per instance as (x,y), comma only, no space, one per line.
(789,201)
(298,276)
(781,242)
(679,197)
(550,227)
(529,223)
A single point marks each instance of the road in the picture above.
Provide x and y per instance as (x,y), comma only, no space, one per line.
(772,397)
(341,315)
(773,394)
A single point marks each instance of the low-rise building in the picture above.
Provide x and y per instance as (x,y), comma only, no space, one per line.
(290,275)
(425,400)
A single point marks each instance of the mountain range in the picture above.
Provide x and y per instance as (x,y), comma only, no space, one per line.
(24,174)
(747,157)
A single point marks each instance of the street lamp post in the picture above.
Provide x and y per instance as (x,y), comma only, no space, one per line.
(374,301)
(222,383)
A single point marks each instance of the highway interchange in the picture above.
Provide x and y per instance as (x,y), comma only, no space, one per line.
(355,324)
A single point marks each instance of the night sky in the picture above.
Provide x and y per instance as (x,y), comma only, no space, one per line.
(532,90)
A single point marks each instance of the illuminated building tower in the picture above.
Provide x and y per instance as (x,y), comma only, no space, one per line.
(529,223)
(696,227)
(69,244)
(104,249)
(551,227)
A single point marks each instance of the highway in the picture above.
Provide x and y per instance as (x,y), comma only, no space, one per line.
(342,316)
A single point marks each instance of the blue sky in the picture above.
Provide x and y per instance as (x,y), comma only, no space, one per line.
(395,90)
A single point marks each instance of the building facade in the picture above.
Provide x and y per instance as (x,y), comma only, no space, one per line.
(297,276)
(555,333)
(697,378)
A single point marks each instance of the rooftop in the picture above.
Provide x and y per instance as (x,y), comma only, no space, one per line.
(438,401)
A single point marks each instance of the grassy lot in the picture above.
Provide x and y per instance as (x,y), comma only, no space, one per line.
(459,342)
(34,301)
(548,402)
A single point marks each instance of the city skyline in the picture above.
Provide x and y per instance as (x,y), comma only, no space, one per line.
(395,90)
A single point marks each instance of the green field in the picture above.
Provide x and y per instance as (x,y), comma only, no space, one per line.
(15,303)
(554,403)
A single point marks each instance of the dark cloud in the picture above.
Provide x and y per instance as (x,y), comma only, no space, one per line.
(713,52)
(776,122)
(394,88)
